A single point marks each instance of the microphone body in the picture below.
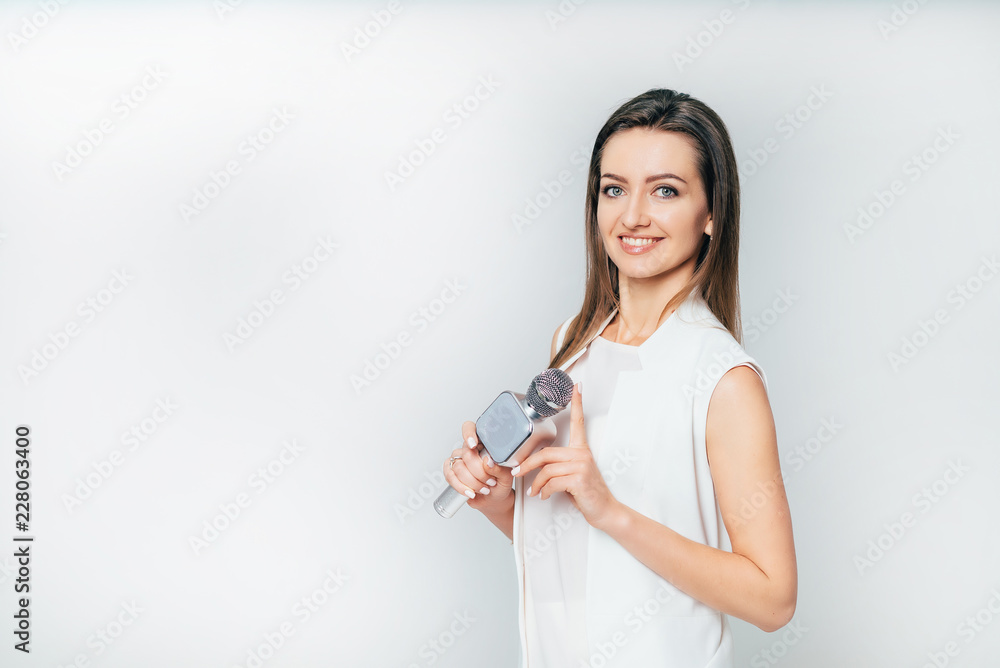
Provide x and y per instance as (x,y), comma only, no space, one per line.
(516,422)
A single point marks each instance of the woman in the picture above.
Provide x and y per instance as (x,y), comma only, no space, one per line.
(659,509)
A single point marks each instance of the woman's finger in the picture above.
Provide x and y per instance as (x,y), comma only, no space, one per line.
(541,457)
(474,482)
(577,430)
(550,471)
(573,484)
(470,469)
(491,470)
(469,437)
(451,475)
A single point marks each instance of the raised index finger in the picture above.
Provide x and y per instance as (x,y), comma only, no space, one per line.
(577,430)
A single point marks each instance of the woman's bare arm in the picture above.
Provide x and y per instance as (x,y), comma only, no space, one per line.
(757,581)
(504,519)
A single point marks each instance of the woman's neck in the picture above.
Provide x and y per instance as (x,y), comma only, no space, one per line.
(642,303)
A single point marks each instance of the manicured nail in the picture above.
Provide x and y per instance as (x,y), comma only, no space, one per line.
(514,470)
(484,490)
(471,441)
(529,487)
(469,493)
(489,462)
(491,482)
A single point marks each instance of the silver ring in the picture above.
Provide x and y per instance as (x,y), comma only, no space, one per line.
(451,462)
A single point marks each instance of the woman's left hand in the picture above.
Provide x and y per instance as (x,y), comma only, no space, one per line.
(572,469)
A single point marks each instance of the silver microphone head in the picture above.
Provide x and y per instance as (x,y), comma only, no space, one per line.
(549,392)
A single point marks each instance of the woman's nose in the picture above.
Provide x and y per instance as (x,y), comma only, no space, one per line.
(635,212)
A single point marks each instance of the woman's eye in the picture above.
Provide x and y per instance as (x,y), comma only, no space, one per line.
(668,189)
(608,189)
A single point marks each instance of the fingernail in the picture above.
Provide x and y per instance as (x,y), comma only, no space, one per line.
(484,490)
(491,482)
(489,462)
(471,441)
(529,486)
(514,470)
(469,493)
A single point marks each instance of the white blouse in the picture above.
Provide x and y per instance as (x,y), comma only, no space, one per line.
(583,599)
(555,533)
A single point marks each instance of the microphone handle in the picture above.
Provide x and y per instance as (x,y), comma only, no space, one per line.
(449,502)
(543,432)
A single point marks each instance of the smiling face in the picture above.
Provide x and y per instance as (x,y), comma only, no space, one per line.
(652,210)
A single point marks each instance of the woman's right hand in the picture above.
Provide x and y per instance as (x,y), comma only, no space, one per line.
(489,482)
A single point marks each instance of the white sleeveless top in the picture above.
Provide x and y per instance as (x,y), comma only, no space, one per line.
(578,588)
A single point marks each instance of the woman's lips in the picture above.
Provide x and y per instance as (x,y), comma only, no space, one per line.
(637,249)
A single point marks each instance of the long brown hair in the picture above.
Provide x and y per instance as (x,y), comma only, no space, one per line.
(716,273)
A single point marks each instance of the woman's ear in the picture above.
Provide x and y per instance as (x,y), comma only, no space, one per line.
(708,228)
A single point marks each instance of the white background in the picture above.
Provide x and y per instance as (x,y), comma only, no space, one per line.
(850,300)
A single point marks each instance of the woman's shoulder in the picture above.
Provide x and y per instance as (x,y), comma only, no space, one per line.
(695,315)
(709,339)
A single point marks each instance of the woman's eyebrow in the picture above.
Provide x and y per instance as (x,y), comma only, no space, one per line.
(650,179)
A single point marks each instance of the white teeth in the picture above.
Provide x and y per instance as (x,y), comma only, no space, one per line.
(638,242)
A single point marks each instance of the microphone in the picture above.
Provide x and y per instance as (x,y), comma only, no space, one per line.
(516,421)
